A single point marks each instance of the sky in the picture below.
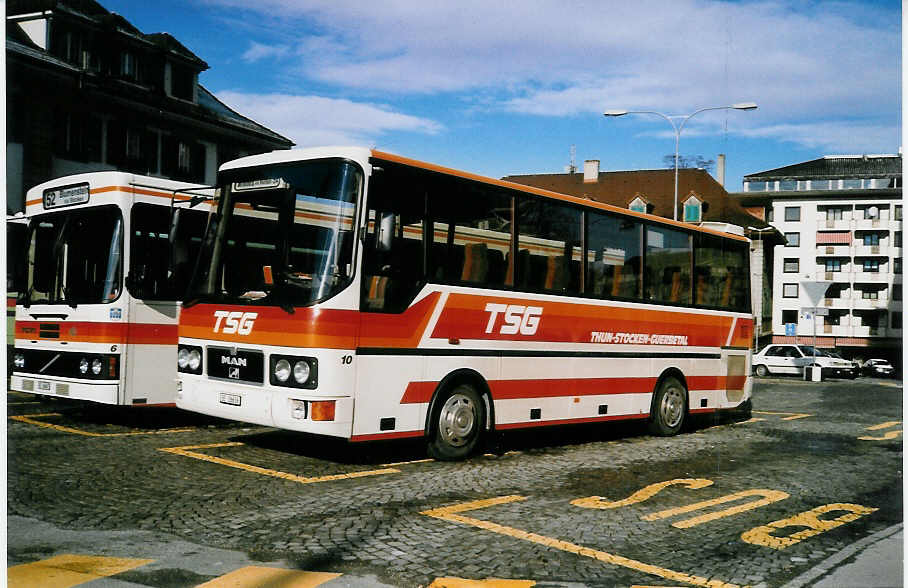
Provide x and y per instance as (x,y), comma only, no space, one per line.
(514,87)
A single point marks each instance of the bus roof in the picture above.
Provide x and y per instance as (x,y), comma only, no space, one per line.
(362,155)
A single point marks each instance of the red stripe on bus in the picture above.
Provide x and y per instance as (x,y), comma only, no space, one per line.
(99,332)
(392,435)
(421,392)
(578,421)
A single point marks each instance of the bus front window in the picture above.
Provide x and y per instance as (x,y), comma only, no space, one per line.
(282,235)
(75,257)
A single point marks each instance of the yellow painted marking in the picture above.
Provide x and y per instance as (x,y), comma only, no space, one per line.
(187,451)
(753,420)
(885,425)
(31,419)
(487,583)
(642,494)
(67,570)
(449,513)
(791,415)
(769,496)
(811,519)
(400,463)
(22,403)
(887,435)
(258,576)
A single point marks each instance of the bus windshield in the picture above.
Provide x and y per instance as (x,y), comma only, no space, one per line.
(282,235)
(75,257)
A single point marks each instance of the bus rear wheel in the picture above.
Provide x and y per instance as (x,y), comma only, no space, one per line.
(669,407)
(457,423)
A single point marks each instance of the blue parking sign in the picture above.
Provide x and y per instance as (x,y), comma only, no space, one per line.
(791,329)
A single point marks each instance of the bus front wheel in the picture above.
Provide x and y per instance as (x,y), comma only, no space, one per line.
(669,407)
(457,423)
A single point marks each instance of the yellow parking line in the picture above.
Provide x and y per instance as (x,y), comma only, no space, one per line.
(187,451)
(791,415)
(449,513)
(257,576)
(67,570)
(487,583)
(887,435)
(31,419)
(883,425)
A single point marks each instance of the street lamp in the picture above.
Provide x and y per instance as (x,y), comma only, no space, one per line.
(679,128)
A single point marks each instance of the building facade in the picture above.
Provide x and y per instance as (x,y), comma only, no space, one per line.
(842,219)
(87,91)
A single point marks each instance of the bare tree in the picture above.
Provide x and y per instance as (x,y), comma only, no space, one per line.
(689,161)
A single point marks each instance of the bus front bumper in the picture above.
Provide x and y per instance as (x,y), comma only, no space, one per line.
(104,393)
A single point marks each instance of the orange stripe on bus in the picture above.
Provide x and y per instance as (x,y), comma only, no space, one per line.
(98,332)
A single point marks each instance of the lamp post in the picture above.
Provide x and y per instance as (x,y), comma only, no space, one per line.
(680,127)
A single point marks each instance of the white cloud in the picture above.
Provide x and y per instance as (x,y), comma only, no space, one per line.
(258,51)
(316,120)
(802,62)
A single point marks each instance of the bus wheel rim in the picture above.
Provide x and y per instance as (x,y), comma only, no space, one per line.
(672,406)
(457,420)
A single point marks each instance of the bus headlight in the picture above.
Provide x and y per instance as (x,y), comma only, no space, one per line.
(96,365)
(282,370)
(19,360)
(83,365)
(195,359)
(301,372)
(182,358)
(294,372)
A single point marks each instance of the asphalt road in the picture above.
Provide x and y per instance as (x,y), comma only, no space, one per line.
(159,497)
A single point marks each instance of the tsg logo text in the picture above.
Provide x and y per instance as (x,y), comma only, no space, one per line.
(517,318)
(234,322)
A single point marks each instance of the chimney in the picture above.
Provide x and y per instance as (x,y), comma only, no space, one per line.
(720,170)
(590,171)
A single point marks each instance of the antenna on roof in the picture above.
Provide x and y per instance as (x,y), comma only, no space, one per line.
(573,166)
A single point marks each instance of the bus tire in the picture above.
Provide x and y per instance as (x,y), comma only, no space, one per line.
(761,371)
(669,407)
(457,423)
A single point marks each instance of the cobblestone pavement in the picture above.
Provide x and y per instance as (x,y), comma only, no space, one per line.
(757,503)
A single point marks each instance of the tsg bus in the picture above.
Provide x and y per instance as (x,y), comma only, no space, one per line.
(358,294)
(108,256)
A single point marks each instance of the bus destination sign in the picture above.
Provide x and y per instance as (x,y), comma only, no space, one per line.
(66,196)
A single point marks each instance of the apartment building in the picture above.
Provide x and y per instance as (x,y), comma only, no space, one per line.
(842,219)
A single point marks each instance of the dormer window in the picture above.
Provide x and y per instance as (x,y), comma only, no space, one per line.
(128,66)
(693,210)
(638,204)
(182,82)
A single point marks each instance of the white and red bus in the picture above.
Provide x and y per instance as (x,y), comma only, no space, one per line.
(359,294)
(108,255)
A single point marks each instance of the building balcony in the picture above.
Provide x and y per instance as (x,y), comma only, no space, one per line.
(836,302)
(871,277)
(837,277)
(870,223)
(860,303)
(842,224)
(835,330)
(871,250)
(842,250)
(867,331)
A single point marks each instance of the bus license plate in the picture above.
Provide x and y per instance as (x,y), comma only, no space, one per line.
(43,386)
(231,399)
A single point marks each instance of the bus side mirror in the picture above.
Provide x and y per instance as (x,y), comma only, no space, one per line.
(385,231)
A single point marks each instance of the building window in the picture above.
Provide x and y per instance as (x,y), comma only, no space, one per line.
(793,239)
(898,212)
(789,316)
(692,210)
(870,294)
(833,265)
(637,205)
(182,82)
(897,239)
(851,184)
(897,292)
(871,212)
(792,265)
(789,290)
(871,266)
(871,239)
(792,213)
(788,185)
(819,184)
(833,214)
(183,160)
(897,320)
(77,136)
(897,265)
(756,186)
(770,214)
(128,67)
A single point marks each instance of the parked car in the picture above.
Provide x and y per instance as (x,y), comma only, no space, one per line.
(878,367)
(792,359)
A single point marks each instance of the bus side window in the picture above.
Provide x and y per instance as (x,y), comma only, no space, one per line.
(551,232)
(614,244)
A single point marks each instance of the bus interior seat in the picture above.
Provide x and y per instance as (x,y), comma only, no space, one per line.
(475,263)
(554,273)
(702,285)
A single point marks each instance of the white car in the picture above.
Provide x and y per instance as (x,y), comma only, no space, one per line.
(792,359)
(878,367)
